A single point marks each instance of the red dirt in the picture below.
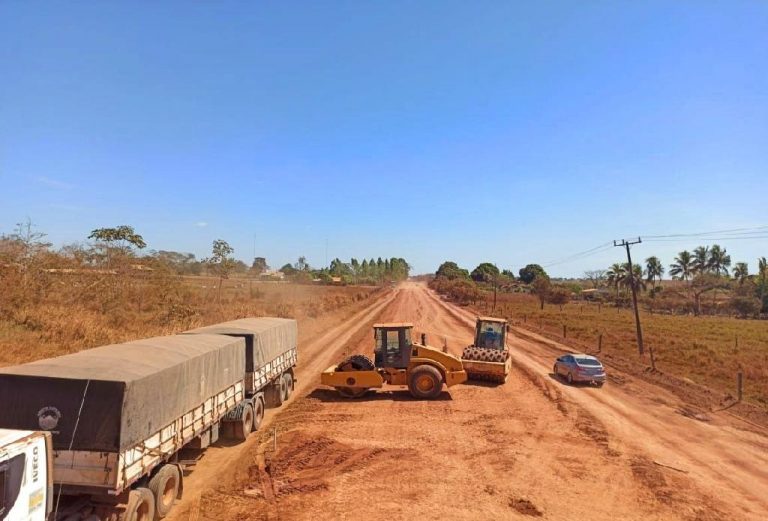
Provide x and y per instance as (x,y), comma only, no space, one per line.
(532,447)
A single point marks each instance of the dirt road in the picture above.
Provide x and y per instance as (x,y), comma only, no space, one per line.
(532,447)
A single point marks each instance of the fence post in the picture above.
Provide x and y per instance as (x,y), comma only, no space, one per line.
(740,384)
(600,343)
(565,331)
(737,341)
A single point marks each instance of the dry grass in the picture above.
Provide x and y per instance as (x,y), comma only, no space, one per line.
(702,349)
(64,313)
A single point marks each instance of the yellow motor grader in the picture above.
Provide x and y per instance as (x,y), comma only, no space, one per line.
(397,361)
(488,357)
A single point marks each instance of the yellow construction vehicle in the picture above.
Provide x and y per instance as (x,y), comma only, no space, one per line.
(488,357)
(398,361)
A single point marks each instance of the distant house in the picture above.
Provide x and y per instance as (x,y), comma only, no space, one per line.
(594,294)
(336,280)
(272,274)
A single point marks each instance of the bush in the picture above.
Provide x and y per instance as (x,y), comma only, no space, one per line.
(745,306)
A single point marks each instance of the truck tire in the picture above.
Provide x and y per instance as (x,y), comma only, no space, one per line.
(278,392)
(288,377)
(243,427)
(258,413)
(165,485)
(425,382)
(141,505)
(356,363)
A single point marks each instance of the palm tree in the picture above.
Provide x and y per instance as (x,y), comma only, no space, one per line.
(614,275)
(741,272)
(653,270)
(682,268)
(719,261)
(635,277)
(700,262)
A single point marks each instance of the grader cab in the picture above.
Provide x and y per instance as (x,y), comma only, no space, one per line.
(488,357)
(397,360)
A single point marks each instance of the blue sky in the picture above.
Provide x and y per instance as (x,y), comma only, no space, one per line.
(510,132)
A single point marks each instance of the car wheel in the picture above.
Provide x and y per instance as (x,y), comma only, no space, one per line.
(599,384)
(569,378)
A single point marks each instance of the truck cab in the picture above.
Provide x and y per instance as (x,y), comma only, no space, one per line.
(26,480)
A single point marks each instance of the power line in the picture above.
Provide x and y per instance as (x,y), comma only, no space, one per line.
(732,231)
(728,238)
(581,255)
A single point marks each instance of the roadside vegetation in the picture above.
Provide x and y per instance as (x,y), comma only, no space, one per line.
(706,324)
(109,289)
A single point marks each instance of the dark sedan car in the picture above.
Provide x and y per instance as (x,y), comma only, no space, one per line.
(580,368)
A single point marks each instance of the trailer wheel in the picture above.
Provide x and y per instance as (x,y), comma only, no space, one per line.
(141,505)
(243,426)
(258,413)
(165,486)
(425,382)
(288,382)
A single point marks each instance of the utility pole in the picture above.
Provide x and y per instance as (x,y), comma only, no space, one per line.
(640,347)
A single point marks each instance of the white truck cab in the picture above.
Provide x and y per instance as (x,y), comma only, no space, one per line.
(26,486)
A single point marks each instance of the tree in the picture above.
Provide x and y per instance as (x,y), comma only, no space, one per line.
(683,267)
(120,239)
(288,270)
(700,262)
(541,288)
(559,296)
(719,261)
(301,264)
(653,270)
(451,271)
(259,265)
(614,275)
(181,263)
(28,246)
(532,272)
(221,262)
(635,277)
(509,274)
(701,284)
(745,306)
(741,272)
(485,272)
(595,277)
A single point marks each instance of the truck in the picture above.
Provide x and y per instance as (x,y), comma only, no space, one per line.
(121,418)
(26,486)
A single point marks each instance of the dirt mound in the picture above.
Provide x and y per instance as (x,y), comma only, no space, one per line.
(305,463)
(525,507)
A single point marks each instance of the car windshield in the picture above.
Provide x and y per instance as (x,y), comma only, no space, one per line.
(588,361)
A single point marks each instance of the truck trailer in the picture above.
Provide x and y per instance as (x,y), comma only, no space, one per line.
(118,416)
